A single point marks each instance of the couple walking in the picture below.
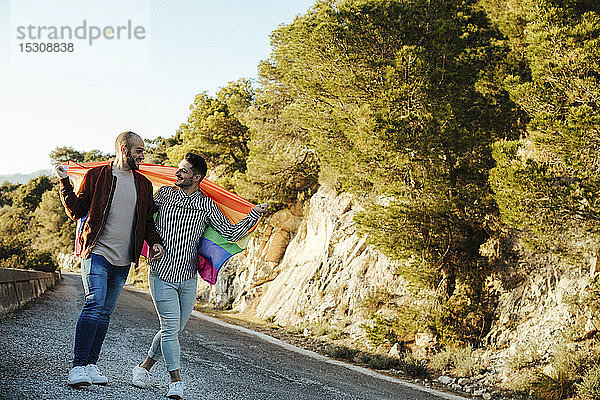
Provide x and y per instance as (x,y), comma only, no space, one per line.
(118,204)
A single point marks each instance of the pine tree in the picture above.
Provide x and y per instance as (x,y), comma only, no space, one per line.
(399,101)
(548,183)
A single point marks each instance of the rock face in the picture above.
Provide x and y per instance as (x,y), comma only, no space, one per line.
(307,266)
(68,261)
(535,315)
(536,311)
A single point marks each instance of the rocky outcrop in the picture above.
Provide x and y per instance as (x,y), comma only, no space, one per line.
(536,311)
(537,314)
(307,265)
(68,261)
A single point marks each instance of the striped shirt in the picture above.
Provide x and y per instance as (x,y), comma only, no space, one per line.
(181,221)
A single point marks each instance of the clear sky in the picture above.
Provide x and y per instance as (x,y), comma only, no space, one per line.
(86,97)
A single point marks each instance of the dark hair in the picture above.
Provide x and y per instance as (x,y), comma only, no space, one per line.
(124,138)
(198,164)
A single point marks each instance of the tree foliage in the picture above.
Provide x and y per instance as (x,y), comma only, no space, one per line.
(156,150)
(6,193)
(282,167)
(396,100)
(214,130)
(56,232)
(548,182)
(29,195)
(66,153)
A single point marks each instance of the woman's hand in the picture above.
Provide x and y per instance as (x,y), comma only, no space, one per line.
(156,252)
(262,208)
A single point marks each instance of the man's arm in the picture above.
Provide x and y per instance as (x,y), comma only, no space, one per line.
(151,236)
(229,231)
(76,206)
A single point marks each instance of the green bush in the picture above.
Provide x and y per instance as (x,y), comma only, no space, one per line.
(379,361)
(589,387)
(443,360)
(342,352)
(454,321)
(467,364)
(557,386)
(412,366)
(387,330)
(523,357)
(462,361)
(15,254)
(572,369)
(519,383)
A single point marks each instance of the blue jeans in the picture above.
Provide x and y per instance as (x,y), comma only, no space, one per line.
(174,302)
(102,283)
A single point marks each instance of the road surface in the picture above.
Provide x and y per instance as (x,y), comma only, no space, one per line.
(217,360)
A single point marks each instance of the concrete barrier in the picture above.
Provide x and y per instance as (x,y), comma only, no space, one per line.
(18,287)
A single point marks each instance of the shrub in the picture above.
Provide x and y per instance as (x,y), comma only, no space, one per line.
(16,254)
(335,334)
(523,357)
(401,327)
(385,330)
(412,366)
(568,367)
(574,362)
(519,383)
(589,387)
(342,352)
(442,361)
(375,299)
(452,320)
(557,386)
(462,360)
(466,363)
(378,361)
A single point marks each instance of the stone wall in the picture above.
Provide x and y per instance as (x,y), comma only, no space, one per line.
(18,287)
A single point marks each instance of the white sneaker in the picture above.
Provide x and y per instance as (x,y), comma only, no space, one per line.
(78,377)
(95,375)
(140,377)
(175,390)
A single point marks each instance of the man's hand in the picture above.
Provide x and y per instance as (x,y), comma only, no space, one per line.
(262,208)
(60,172)
(156,252)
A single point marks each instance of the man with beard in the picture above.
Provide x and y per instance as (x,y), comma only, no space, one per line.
(117,204)
(183,213)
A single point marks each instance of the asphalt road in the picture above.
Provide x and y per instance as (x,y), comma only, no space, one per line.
(217,361)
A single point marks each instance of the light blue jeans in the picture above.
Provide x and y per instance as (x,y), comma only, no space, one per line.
(174,302)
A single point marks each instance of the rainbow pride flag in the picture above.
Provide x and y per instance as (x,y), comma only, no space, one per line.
(214,249)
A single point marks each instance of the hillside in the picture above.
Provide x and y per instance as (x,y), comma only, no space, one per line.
(23,178)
